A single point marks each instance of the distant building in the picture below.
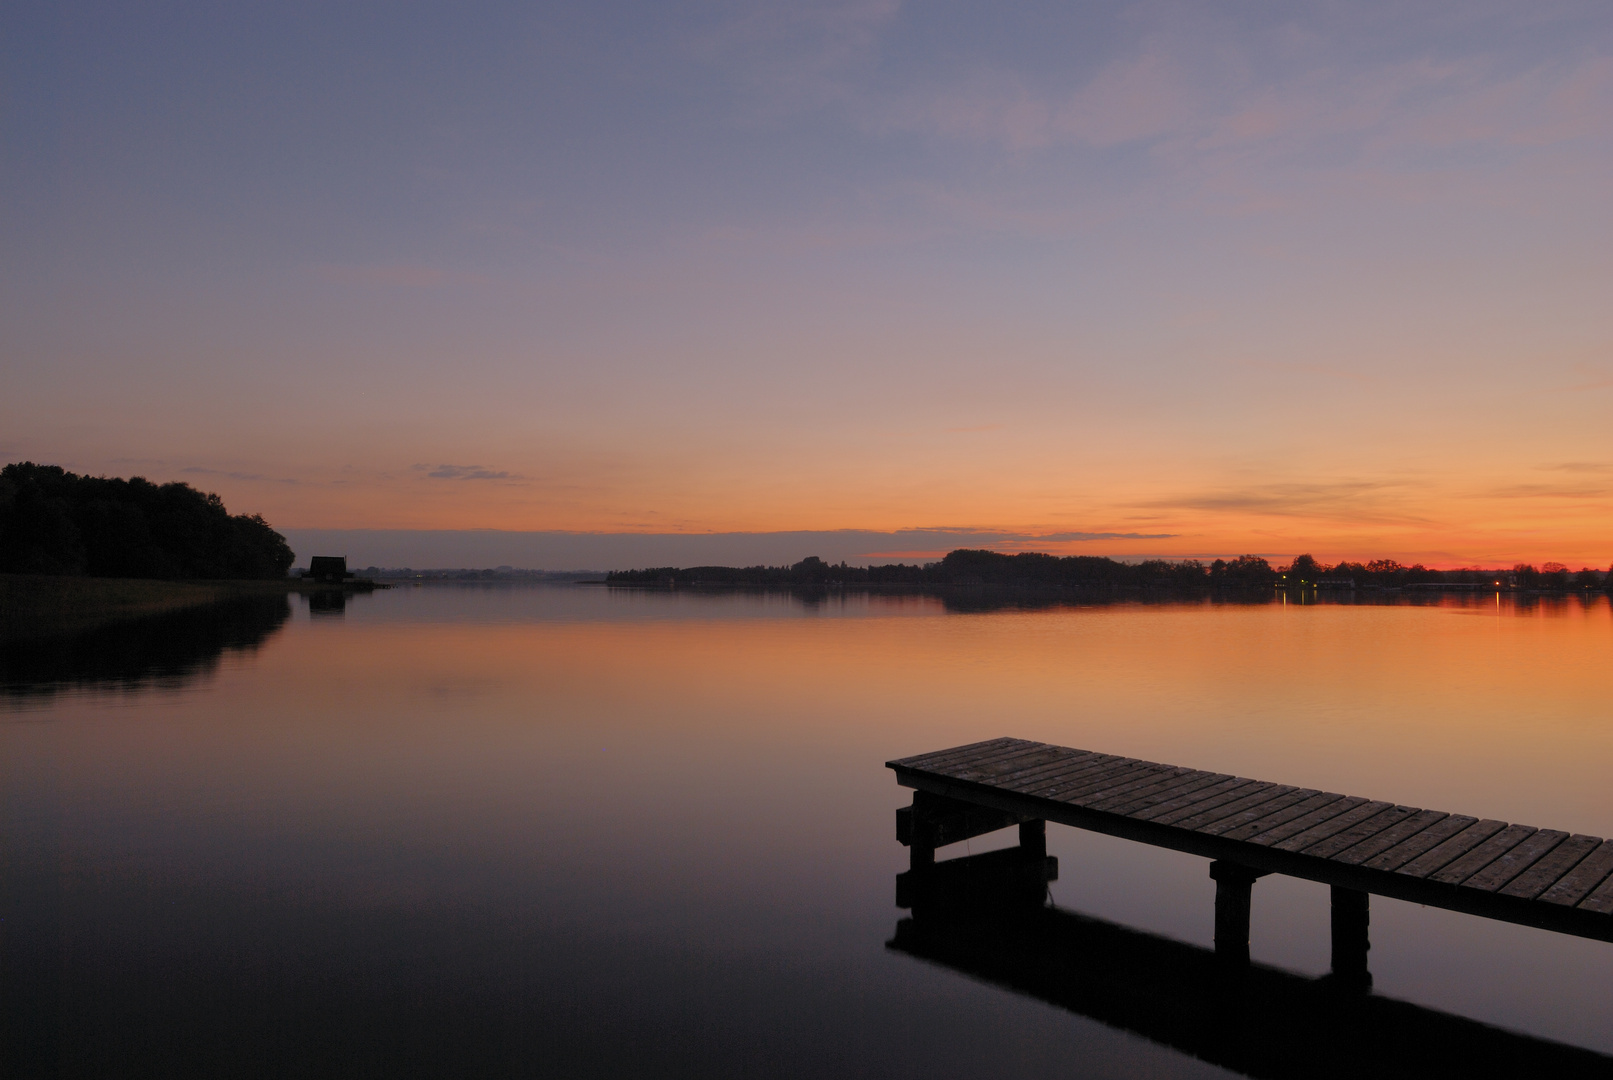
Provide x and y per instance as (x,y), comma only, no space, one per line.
(327,568)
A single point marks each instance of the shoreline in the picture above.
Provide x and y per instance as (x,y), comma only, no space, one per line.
(38,606)
(1038,589)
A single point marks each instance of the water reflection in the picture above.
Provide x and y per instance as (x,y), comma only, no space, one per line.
(162,651)
(572,831)
(986,599)
(327,603)
(985,916)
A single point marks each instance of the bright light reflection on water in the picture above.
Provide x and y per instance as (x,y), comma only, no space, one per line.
(572,832)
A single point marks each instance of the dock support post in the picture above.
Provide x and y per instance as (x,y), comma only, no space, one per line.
(921,852)
(923,831)
(1351,919)
(1234,888)
(1033,836)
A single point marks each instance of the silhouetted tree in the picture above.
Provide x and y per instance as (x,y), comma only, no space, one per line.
(1245,570)
(56,522)
(1302,569)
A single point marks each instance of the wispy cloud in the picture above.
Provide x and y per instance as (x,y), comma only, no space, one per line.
(466,472)
(1376,502)
(945,538)
(1205,97)
(1578,467)
(1579,490)
(232,475)
(796,54)
(1207,111)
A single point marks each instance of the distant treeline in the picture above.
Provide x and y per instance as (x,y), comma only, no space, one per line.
(1033,569)
(56,522)
(501,574)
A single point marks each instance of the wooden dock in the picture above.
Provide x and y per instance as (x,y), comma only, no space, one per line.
(1249,828)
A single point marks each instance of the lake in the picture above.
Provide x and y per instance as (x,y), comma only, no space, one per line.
(579,832)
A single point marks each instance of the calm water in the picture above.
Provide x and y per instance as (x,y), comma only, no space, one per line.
(572,832)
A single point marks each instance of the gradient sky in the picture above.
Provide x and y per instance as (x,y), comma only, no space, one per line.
(1135,279)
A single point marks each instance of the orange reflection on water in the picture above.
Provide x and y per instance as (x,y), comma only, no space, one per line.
(1483,706)
(690,769)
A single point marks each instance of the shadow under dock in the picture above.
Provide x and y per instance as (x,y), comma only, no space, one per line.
(986,917)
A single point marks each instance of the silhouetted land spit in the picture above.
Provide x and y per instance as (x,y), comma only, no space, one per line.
(1038,571)
(47,605)
(56,522)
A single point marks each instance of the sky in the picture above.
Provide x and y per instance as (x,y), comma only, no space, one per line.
(1139,280)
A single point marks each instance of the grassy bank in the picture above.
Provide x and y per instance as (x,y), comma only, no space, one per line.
(37,606)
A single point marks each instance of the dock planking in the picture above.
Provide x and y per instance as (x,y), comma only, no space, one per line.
(1515,873)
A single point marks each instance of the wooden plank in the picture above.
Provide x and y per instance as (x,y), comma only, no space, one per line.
(1448,851)
(999,772)
(1083,760)
(1215,796)
(1167,812)
(972,752)
(1075,766)
(1061,780)
(1550,869)
(1515,861)
(1061,765)
(1251,804)
(1601,898)
(922,761)
(1099,790)
(1142,800)
(1412,846)
(1167,782)
(1358,831)
(1293,827)
(1206,800)
(1130,773)
(1579,882)
(1394,835)
(1014,748)
(984,772)
(1122,788)
(1066,787)
(1068,777)
(1331,827)
(1146,794)
(1481,857)
(1277,817)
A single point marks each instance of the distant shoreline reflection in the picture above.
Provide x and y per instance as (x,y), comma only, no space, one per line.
(982,599)
(165,651)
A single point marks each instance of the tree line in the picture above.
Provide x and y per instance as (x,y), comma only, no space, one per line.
(56,522)
(1035,569)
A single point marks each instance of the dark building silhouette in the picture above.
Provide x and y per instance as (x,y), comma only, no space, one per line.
(328,568)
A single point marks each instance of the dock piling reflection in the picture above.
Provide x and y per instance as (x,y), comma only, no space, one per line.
(980,920)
